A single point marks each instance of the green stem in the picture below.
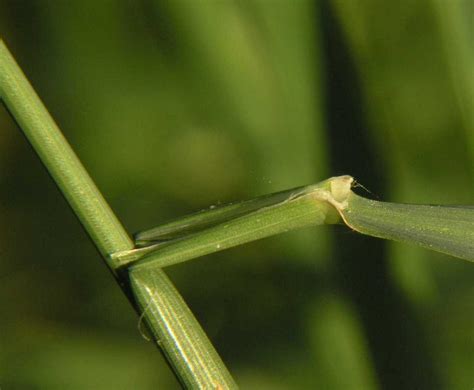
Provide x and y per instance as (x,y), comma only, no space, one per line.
(186,347)
(298,213)
(210,217)
(60,160)
(232,225)
(178,327)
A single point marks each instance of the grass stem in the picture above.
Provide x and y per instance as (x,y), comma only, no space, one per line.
(176,330)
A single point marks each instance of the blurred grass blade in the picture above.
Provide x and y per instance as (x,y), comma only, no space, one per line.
(446,229)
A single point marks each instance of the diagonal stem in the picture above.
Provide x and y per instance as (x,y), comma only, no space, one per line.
(175,325)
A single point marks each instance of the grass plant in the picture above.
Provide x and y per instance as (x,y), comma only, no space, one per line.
(137,266)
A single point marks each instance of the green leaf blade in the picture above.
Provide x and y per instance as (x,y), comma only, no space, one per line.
(446,229)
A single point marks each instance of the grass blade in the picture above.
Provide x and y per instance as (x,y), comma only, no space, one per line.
(446,229)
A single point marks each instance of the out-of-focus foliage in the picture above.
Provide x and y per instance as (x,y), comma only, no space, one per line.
(177,105)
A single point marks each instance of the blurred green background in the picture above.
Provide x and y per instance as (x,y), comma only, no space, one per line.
(173,106)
